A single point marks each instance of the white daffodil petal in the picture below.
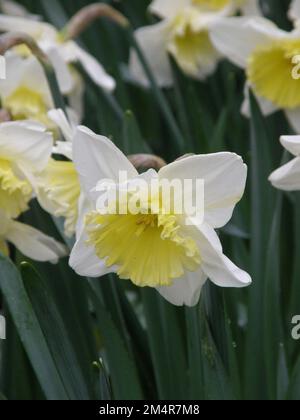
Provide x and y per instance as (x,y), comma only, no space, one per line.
(218,268)
(237,37)
(293,116)
(85,262)
(14,73)
(34,244)
(168,8)
(294,10)
(185,291)
(292,144)
(34,78)
(60,119)
(152,40)
(224,176)
(76,97)
(287,177)
(64,148)
(31,27)
(62,71)
(85,206)
(94,69)
(251,8)
(27,143)
(97,158)
(266,107)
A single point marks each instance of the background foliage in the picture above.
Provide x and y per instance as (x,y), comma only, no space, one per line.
(237,343)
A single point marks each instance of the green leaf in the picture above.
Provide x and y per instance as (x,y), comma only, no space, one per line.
(55,12)
(2,397)
(56,335)
(30,332)
(294,388)
(273,328)
(262,205)
(195,356)
(132,137)
(124,376)
(217,384)
(167,345)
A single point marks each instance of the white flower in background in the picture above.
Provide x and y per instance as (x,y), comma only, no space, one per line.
(12,8)
(25,149)
(58,189)
(269,57)
(184,33)
(60,52)
(287,177)
(163,8)
(30,241)
(25,92)
(294,11)
(157,250)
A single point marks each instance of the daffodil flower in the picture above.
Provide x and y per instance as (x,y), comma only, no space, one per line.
(270,57)
(287,178)
(30,241)
(58,189)
(25,149)
(156,249)
(25,92)
(184,33)
(61,53)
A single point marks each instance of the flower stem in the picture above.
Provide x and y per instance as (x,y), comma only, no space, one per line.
(89,14)
(146,161)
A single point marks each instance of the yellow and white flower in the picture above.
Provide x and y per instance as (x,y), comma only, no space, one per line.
(184,33)
(60,52)
(156,249)
(30,241)
(25,149)
(270,57)
(58,189)
(287,177)
(25,92)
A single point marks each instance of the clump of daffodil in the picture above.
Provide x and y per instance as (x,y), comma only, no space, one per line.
(61,51)
(287,178)
(183,33)
(270,57)
(25,149)
(156,248)
(25,92)
(58,189)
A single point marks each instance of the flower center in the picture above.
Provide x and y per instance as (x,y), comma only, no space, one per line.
(15,193)
(191,47)
(148,249)
(270,72)
(25,103)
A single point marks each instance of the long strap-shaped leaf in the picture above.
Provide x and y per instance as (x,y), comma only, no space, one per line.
(30,332)
(56,335)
